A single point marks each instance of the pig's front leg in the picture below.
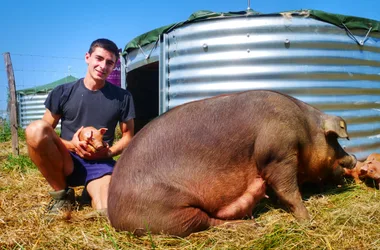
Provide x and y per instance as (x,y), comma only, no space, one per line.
(282,177)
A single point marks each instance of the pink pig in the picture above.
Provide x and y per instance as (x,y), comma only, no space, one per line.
(373,156)
(93,137)
(370,168)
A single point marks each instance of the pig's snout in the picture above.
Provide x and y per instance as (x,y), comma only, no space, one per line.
(349,161)
(98,145)
(355,160)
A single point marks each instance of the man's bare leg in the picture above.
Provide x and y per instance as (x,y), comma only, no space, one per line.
(98,190)
(48,153)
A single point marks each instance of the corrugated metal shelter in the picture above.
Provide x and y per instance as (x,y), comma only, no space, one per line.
(327,60)
(30,101)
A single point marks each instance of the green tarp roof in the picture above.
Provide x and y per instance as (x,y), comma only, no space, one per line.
(47,87)
(342,21)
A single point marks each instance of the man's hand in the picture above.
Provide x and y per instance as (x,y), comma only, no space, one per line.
(79,147)
(104,153)
(82,149)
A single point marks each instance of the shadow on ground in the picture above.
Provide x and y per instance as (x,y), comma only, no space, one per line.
(308,190)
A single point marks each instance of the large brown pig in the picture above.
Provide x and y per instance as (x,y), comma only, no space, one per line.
(93,137)
(207,162)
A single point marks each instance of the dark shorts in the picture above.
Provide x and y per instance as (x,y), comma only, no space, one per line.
(86,170)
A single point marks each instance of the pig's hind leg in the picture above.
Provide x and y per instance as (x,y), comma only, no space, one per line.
(188,220)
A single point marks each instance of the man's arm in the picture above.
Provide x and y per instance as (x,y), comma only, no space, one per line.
(127,130)
(53,120)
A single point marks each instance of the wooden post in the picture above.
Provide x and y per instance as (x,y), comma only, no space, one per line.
(12,102)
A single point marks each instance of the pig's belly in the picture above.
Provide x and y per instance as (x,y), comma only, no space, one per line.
(242,206)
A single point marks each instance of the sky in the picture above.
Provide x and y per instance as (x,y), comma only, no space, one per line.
(47,40)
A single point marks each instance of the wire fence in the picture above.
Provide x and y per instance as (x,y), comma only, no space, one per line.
(33,71)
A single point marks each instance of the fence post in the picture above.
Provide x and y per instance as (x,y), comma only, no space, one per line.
(12,102)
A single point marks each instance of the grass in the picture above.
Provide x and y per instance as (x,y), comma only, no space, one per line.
(5,132)
(343,217)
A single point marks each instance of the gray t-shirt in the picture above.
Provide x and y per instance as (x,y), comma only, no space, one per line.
(79,106)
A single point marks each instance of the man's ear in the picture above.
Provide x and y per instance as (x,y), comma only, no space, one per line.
(87,56)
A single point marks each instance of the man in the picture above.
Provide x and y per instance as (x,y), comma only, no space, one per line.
(91,101)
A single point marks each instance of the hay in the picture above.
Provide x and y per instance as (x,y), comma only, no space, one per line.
(345,217)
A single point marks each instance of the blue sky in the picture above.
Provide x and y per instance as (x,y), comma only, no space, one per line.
(48,39)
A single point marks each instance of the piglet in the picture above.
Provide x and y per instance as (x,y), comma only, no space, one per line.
(93,137)
(370,168)
(373,156)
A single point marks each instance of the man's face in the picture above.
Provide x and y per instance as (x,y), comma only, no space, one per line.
(100,63)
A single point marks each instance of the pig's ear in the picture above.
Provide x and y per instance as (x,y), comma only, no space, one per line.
(88,135)
(335,125)
(103,130)
(371,158)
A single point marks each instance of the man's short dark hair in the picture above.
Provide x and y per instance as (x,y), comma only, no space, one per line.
(105,44)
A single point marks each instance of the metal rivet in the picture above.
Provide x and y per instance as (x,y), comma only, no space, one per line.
(287,41)
(247,34)
(248,50)
(205,47)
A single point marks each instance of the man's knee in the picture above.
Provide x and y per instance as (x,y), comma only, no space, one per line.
(36,131)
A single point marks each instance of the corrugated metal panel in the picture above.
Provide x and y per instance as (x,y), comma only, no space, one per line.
(311,60)
(31,108)
(308,59)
